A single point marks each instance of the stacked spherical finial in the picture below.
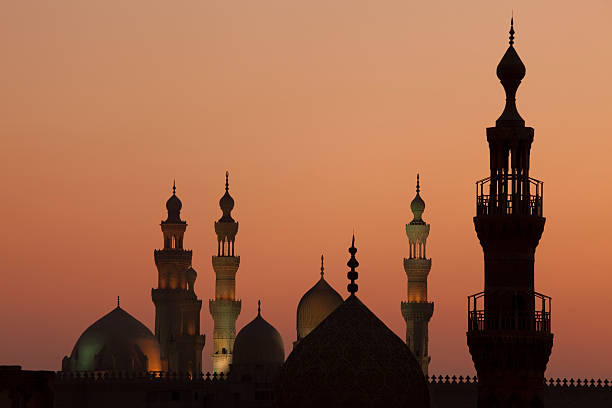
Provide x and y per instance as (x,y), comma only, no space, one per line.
(352,274)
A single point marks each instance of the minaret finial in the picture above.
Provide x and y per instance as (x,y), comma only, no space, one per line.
(322,268)
(352,263)
(117,301)
(174,187)
(259,307)
(226,181)
(418,184)
(512,29)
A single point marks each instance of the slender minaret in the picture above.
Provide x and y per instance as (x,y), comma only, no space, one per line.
(417,310)
(177,308)
(509,333)
(225,308)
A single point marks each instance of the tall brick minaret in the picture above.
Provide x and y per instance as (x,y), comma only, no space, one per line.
(417,311)
(509,333)
(225,308)
(177,308)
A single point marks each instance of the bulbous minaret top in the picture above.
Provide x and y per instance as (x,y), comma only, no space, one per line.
(174,205)
(417,206)
(510,72)
(226,202)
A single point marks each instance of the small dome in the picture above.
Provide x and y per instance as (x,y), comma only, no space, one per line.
(174,205)
(511,68)
(258,343)
(417,205)
(226,202)
(352,360)
(316,304)
(116,342)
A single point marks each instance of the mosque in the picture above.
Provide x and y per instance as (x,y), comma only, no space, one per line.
(343,354)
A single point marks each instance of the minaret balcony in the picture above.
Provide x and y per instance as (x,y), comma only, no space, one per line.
(481,320)
(509,195)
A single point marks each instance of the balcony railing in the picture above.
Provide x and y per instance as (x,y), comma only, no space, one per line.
(480,319)
(509,197)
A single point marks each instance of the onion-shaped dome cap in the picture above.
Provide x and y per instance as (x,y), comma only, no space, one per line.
(116,342)
(258,343)
(511,72)
(174,206)
(352,360)
(417,205)
(316,305)
(226,202)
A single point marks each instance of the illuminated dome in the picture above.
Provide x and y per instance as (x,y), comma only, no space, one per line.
(352,360)
(116,342)
(316,305)
(258,343)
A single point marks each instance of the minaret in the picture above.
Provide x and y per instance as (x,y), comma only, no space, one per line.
(177,308)
(417,310)
(225,308)
(509,333)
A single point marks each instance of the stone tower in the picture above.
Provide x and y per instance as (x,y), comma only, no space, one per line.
(177,308)
(509,333)
(225,308)
(417,310)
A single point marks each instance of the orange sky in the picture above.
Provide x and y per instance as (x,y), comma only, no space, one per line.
(323,111)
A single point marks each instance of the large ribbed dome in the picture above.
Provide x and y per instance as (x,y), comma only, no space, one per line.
(258,343)
(116,342)
(352,360)
(315,306)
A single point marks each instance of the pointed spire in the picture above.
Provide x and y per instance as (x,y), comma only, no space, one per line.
(512,29)
(226,181)
(418,188)
(322,268)
(174,187)
(117,302)
(259,308)
(352,263)
(510,72)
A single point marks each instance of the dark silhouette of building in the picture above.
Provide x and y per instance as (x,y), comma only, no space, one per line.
(352,359)
(25,389)
(225,308)
(177,308)
(509,334)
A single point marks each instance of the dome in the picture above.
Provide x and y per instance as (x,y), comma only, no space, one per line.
(510,72)
(258,343)
(116,342)
(352,360)
(315,306)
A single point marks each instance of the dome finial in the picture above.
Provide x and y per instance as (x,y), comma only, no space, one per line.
(512,29)
(418,189)
(174,187)
(226,181)
(322,268)
(510,72)
(352,263)
(117,301)
(259,307)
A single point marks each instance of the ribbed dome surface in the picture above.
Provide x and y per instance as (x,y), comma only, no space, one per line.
(118,342)
(418,207)
(316,304)
(352,360)
(258,343)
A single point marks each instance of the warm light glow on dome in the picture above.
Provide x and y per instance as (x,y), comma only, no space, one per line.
(315,306)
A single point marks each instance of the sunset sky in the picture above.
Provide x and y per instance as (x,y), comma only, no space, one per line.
(323,111)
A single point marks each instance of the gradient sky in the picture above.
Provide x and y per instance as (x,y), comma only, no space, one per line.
(323,112)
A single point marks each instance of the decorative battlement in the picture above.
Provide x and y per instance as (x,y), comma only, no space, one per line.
(548,382)
(67,377)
